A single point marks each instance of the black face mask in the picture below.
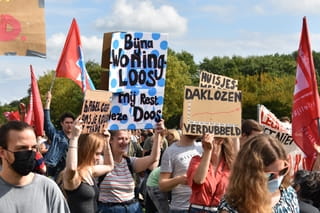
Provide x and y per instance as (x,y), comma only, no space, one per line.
(24,162)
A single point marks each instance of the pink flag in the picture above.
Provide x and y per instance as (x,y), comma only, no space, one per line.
(35,116)
(305,109)
(71,64)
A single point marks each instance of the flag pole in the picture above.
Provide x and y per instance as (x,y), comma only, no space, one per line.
(52,82)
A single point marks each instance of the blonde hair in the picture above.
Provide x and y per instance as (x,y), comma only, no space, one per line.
(247,190)
(87,147)
(175,133)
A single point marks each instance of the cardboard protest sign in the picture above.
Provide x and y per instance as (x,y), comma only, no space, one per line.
(139,109)
(207,110)
(273,126)
(137,60)
(23,28)
(211,80)
(96,110)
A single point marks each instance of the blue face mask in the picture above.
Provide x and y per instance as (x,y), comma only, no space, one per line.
(274,184)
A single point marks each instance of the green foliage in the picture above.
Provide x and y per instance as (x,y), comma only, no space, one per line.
(267,80)
(177,77)
(66,95)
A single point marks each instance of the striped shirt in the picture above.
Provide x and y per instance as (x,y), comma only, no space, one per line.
(118,185)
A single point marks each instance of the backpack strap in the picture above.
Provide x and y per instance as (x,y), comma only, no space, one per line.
(129,164)
(100,178)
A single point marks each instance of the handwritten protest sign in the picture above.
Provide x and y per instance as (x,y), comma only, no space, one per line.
(137,68)
(22,30)
(96,110)
(273,126)
(137,60)
(139,109)
(207,110)
(211,80)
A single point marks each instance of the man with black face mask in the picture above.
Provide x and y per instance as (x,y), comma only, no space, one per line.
(21,190)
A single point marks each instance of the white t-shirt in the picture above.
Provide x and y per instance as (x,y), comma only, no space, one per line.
(176,160)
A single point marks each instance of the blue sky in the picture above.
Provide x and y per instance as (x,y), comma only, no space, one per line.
(204,28)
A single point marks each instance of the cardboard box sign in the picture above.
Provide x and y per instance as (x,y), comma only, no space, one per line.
(23,28)
(96,110)
(216,111)
(211,80)
(136,60)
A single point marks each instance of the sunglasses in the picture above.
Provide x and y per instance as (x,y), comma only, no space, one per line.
(273,175)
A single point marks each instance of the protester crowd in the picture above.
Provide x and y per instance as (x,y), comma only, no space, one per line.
(159,170)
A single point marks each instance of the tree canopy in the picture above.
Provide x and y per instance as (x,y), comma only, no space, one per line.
(267,80)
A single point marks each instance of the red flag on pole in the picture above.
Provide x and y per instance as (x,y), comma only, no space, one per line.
(71,64)
(35,116)
(305,109)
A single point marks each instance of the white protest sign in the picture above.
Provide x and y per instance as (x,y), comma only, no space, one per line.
(138,60)
(273,126)
(139,109)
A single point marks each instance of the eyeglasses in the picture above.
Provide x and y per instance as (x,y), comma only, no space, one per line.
(273,175)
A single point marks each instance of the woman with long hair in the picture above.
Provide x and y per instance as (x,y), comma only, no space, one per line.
(117,187)
(78,178)
(208,175)
(259,181)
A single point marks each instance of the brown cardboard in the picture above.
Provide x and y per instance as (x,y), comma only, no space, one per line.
(207,110)
(211,80)
(24,34)
(95,110)
(105,59)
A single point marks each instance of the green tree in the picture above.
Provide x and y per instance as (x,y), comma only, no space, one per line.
(176,78)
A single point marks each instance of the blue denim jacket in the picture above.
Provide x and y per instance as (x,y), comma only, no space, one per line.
(59,142)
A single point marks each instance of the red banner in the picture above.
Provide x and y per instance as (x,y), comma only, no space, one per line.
(305,109)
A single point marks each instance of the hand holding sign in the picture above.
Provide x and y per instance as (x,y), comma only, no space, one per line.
(207,141)
(76,128)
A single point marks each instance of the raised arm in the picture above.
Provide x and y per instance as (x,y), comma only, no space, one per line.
(151,161)
(48,126)
(99,170)
(202,170)
(71,178)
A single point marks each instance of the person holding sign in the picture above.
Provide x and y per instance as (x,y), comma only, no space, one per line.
(78,178)
(260,179)
(208,175)
(117,188)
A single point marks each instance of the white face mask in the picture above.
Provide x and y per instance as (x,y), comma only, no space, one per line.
(275,183)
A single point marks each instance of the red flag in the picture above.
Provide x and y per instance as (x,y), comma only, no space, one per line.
(305,109)
(71,64)
(35,116)
(12,116)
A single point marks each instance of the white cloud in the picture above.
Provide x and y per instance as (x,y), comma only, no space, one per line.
(143,16)
(247,44)
(221,11)
(259,10)
(92,47)
(297,6)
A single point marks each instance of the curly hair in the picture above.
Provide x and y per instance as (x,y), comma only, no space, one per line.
(247,187)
